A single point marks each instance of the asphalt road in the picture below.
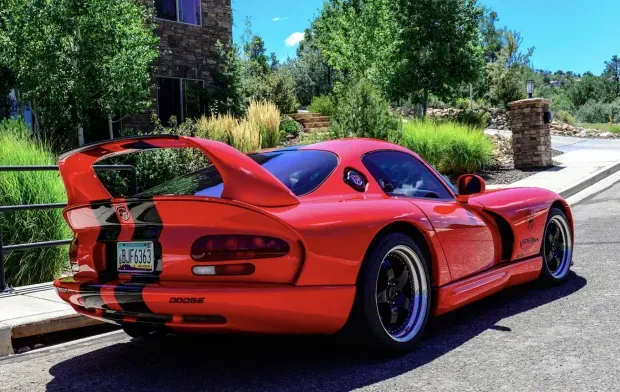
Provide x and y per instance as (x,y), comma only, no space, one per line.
(527,338)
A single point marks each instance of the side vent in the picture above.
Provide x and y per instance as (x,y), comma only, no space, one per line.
(505,232)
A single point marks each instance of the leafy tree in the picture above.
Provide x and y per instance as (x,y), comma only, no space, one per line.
(360,39)
(362,111)
(274,63)
(6,83)
(506,76)
(227,94)
(262,76)
(611,75)
(255,52)
(589,88)
(70,59)
(439,48)
(313,76)
(491,37)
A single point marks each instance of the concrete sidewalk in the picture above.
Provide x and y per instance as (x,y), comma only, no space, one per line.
(584,162)
(35,310)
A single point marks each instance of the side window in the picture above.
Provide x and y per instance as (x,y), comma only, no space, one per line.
(400,174)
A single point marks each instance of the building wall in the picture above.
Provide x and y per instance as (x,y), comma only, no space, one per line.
(188,51)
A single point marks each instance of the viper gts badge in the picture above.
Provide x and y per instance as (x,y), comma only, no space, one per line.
(123,213)
(529,241)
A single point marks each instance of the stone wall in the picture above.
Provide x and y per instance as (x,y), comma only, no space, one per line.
(188,51)
(531,137)
(498,117)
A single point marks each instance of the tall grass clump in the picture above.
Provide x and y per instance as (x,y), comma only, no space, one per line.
(17,148)
(242,134)
(451,147)
(266,116)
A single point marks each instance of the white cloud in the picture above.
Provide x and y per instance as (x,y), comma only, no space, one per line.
(294,39)
(280,19)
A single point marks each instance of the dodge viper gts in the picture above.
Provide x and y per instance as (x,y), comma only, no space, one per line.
(356,234)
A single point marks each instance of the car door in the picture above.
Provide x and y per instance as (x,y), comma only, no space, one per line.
(465,237)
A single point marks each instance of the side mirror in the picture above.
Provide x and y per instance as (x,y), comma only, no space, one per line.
(469,184)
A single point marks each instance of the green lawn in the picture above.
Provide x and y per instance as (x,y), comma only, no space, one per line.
(603,127)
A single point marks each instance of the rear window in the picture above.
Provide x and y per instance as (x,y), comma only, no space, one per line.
(301,171)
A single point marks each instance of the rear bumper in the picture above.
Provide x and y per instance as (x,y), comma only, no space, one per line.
(213,307)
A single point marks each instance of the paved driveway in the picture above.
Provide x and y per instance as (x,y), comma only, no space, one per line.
(525,339)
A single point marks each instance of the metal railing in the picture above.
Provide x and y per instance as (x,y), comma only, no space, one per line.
(31,207)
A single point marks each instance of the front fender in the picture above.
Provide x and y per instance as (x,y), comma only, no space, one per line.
(525,210)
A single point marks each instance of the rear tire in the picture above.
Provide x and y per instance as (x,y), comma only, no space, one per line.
(393,298)
(556,249)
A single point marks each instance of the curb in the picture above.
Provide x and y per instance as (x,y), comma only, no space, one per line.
(64,322)
(56,324)
(6,345)
(46,321)
(590,180)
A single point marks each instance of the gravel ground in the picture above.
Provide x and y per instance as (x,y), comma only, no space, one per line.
(506,173)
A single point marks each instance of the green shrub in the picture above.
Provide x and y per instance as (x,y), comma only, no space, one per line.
(451,147)
(564,116)
(473,118)
(462,103)
(433,102)
(288,125)
(363,112)
(154,166)
(599,112)
(17,148)
(323,105)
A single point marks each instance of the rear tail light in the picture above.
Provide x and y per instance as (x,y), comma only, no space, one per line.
(238,247)
(73,256)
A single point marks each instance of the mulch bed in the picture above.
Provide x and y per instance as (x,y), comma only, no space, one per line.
(507,174)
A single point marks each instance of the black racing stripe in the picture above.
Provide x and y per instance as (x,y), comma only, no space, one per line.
(139,145)
(148,227)
(91,294)
(129,297)
(110,226)
(93,149)
(110,230)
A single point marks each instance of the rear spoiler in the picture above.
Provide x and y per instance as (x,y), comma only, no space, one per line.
(244,180)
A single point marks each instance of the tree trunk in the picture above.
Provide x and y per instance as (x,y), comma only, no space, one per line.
(80,135)
(110,128)
(424,102)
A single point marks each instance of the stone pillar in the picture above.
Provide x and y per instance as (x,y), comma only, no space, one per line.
(531,137)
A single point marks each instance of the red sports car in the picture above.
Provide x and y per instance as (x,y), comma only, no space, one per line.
(301,240)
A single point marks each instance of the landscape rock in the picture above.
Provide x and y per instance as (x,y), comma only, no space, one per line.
(498,117)
(562,129)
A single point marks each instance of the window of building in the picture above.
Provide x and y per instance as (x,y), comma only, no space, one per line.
(183,11)
(179,98)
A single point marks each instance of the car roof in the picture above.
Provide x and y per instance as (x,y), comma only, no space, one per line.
(349,147)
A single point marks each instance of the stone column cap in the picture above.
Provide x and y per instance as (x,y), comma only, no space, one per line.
(529,102)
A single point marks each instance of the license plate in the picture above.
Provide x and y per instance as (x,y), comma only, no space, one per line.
(135,257)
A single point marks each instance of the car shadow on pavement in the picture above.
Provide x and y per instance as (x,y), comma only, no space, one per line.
(277,363)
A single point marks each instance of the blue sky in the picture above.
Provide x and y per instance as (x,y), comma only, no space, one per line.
(571,35)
